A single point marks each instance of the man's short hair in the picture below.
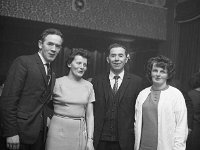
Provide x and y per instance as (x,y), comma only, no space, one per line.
(46,32)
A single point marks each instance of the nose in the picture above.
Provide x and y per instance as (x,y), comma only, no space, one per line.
(116,58)
(82,66)
(158,74)
(53,48)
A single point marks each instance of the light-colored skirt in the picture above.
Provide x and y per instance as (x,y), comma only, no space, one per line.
(66,133)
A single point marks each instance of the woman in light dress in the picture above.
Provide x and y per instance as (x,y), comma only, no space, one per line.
(72,126)
(160,110)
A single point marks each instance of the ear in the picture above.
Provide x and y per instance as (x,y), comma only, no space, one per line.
(69,65)
(107,59)
(127,58)
(40,44)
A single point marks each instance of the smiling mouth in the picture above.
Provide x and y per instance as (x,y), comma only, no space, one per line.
(157,78)
(116,64)
(51,55)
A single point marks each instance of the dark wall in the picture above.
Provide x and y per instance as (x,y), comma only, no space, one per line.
(116,16)
(20,37)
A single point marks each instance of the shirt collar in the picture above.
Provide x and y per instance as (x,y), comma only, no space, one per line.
(42,58)
(111,75)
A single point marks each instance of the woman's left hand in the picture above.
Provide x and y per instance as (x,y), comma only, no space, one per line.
(89,145)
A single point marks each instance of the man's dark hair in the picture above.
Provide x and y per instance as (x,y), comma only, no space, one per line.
(46,32)
(114,45)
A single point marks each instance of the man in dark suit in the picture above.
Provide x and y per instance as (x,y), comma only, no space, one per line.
(26,95)
(115,103)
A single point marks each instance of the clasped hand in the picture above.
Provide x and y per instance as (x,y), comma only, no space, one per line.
(13,142)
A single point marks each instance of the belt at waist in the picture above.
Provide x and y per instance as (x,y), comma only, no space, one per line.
(68,116)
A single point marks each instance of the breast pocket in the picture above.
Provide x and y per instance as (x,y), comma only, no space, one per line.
(23,115)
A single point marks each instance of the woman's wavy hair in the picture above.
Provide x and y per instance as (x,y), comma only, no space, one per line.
(77,51)
(162,62)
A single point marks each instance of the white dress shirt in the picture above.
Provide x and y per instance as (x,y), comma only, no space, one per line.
(112,80)
(43,61)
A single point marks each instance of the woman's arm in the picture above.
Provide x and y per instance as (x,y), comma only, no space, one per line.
(181,130)
(90,126)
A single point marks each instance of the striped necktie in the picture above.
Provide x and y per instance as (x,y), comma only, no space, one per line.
(115,87)
(48,73)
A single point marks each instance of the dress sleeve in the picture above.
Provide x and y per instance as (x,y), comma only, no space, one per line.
(181,123)
(91,95)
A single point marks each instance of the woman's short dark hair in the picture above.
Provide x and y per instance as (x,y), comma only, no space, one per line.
(46,32)
(162,62)
(195,81)
(77,51)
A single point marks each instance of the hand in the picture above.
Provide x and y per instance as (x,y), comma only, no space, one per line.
(189,131)
(89,145)
(13,142)
(48,121)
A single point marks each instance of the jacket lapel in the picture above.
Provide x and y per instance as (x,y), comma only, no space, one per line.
(106,86)
(41,67)
(52,80)
(123,86)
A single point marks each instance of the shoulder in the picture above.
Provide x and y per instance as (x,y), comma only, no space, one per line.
(173,92)
(133,76)
(143,94)
(25,59)
(146,90)
(22,62)
(59,82)
(134,79)
(87,83)
(99,78)
(61,79)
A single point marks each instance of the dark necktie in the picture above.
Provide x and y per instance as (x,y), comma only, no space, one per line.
(115,87)
(48,73)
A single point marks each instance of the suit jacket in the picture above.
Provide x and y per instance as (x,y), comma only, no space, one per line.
(129,89)
(25,97)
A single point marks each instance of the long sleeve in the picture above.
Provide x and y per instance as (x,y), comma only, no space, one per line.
(181,129)
(10,96)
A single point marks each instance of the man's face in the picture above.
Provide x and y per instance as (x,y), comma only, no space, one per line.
(117,59)
(50,47)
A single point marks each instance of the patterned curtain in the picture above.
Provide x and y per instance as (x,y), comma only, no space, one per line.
(189,50)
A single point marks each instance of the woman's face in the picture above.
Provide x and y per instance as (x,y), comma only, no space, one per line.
(159,75)
(78,66)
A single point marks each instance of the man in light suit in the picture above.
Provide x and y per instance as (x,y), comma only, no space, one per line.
(114,106)
(26,95)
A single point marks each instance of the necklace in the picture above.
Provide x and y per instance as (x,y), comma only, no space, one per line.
(157,89)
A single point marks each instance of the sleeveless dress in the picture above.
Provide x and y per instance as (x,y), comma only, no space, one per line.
(149,136)
(67,130)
